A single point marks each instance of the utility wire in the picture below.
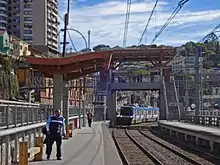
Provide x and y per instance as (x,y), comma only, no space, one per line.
(127,22)
(145,29)
(60,17)
(72,41)
(180,5)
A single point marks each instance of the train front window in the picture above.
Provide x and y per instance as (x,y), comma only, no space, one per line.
(126,111)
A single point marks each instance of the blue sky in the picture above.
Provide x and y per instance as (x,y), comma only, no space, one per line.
(105,19)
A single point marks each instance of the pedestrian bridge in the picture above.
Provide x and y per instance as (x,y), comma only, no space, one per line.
(135,86)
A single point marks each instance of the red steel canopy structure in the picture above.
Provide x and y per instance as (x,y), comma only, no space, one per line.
(78,65)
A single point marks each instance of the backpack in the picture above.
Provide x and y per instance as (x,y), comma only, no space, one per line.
(44,130)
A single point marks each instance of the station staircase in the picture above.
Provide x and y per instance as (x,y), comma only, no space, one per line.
(171,100)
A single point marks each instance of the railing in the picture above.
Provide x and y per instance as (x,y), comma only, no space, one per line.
(165,97)
(15,114)
(120,77)
(176,96)
(9,139)
(204,120)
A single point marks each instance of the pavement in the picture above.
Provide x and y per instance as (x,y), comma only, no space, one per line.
(89,146)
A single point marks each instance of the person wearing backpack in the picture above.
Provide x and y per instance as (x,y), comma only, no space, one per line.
(55,129)
(89,117)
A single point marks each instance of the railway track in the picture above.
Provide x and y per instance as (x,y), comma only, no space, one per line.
(145,146)
(188,150)
(164,155)
(131,152)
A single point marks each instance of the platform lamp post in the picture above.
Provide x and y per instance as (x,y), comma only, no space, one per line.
(83,99)
(80,101)
(197,81)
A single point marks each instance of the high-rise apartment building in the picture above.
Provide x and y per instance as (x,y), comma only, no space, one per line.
(34,21)
(3,14)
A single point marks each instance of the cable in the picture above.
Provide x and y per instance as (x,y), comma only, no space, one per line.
(180,5)
(127,22)
(60,17)
(72,41)
(145,29)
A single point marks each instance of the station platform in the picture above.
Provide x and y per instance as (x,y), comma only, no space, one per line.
(89,146)
(193,132)
(192,127)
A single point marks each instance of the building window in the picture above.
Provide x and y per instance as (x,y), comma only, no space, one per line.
(27,38)
(28,25)
(27,18)
(27,12)
(27,31)
(28,6)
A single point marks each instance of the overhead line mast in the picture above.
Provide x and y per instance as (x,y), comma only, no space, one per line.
(127,22)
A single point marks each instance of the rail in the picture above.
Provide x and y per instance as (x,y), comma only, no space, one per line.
(16,114)
(12,131)
(204,120)
(165,97)
(9,139)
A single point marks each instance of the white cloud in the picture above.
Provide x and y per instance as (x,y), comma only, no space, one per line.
(106,22)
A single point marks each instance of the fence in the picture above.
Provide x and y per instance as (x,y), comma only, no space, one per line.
(203,93)
(15,114)
(23,122)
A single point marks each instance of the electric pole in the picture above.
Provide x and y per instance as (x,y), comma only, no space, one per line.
(65,103)
(66,22)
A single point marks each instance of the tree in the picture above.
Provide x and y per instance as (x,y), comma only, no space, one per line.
(207,64)
(141,72)
(101,47)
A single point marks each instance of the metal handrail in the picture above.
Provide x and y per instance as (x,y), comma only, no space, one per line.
(17,103)
(16,114)
(165,96)
(16,130)
(176,96)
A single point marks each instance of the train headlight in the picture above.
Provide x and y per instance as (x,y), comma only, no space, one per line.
(193,106)
(216,106)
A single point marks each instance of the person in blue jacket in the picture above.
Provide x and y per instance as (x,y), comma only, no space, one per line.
(55,127)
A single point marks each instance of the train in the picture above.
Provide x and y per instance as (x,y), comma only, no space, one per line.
(129,115)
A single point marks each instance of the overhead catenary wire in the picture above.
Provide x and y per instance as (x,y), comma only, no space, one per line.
(178,8)
(71,41)
(127,17)
(145,29)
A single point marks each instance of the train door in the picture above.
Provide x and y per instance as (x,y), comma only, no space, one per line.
(135,115)
(144,115)
(148,114)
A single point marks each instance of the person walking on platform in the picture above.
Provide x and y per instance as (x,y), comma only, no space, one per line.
(89,117)
(55,130)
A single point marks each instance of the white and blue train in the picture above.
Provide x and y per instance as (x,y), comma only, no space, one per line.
(131,115)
